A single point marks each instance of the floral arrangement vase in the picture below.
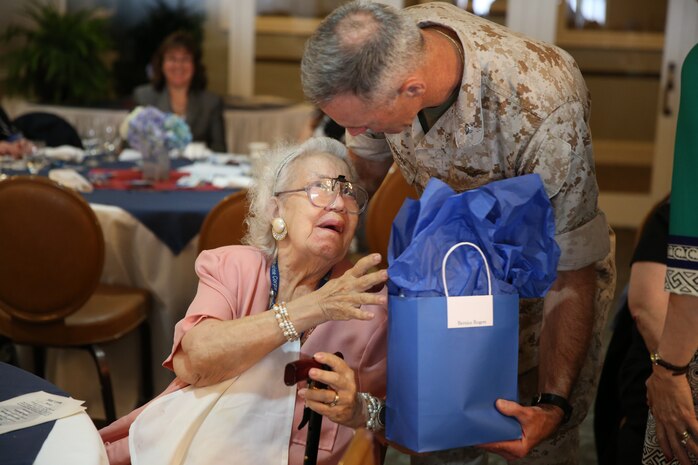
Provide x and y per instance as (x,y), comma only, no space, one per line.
(157,135)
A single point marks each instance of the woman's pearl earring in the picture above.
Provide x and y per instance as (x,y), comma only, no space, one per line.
(278,229)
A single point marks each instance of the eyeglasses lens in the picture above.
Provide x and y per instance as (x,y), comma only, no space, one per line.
(323,193)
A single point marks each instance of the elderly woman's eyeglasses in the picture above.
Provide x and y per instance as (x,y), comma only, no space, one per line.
(323,193)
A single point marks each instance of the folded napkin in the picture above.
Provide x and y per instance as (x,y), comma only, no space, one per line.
(130,155)
(65,153)
(70,179)
(221,176)
(196,151)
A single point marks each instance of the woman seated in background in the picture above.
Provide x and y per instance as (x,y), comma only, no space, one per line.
(178,85)
(291,283)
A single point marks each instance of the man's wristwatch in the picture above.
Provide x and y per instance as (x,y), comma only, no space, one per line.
(675,369)
(554,399)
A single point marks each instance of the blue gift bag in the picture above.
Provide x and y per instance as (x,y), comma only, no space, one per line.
(449,360)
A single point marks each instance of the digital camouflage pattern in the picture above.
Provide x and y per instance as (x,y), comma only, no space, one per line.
(523,108)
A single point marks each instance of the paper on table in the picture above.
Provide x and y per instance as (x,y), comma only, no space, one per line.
(36,408)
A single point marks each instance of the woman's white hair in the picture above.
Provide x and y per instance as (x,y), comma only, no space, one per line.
(274,173)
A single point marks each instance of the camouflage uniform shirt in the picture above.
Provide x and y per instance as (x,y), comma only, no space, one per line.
(522,108)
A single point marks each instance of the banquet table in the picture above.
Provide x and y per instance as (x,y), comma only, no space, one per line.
(151,242)
(72,440)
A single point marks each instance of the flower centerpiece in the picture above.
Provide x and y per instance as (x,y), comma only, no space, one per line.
(157,135)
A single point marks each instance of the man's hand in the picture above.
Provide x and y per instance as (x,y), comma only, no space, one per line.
(537,424)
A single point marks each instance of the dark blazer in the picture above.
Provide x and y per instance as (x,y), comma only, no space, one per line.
(204,113)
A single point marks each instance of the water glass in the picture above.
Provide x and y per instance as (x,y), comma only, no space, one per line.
(111,142)
(92,145)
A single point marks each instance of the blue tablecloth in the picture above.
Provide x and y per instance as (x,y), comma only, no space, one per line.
(20,447)
(175,217)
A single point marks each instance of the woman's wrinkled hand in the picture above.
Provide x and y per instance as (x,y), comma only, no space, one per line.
(339,402)
(671,402)
(341,298)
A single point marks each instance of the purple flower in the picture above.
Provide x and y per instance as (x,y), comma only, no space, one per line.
(150,129)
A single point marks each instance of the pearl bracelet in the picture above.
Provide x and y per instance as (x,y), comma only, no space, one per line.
(374,406)
(285,323)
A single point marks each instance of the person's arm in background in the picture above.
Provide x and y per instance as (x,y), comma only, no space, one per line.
(648,300)
(15,149)
(12,142)
(669,396)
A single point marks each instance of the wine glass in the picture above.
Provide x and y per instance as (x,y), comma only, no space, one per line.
(35,157)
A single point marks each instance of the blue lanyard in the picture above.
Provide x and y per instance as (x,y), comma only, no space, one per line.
(274,275)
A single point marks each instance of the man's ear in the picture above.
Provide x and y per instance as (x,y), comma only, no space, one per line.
(413,87)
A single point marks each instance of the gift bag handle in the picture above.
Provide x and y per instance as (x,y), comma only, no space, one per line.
(487,267)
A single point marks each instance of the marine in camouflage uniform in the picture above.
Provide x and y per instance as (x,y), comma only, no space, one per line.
(522,108)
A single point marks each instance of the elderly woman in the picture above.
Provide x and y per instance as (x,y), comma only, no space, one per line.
(178,85)
(291,289)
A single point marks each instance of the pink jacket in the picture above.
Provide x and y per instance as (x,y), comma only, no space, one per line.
(233,283)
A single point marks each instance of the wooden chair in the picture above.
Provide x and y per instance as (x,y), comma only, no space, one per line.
(52,254)
(382,208)
(363,450)
(225,224)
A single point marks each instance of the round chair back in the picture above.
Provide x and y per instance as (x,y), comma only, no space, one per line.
(225,223)
(51,250)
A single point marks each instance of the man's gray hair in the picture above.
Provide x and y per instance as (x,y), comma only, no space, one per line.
(362,48)
(274,173)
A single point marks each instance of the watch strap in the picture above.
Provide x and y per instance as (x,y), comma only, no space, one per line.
(554,399)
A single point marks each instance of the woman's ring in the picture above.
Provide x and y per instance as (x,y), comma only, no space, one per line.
(685,436)
(335,400)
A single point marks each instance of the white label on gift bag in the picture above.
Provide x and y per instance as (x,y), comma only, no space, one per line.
(470,311)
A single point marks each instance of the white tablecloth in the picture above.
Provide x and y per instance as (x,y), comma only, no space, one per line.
(73,441)
(265,125)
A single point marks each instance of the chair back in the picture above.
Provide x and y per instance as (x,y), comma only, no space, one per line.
(382,208)
(51,250)
(225,223)
(48,127)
